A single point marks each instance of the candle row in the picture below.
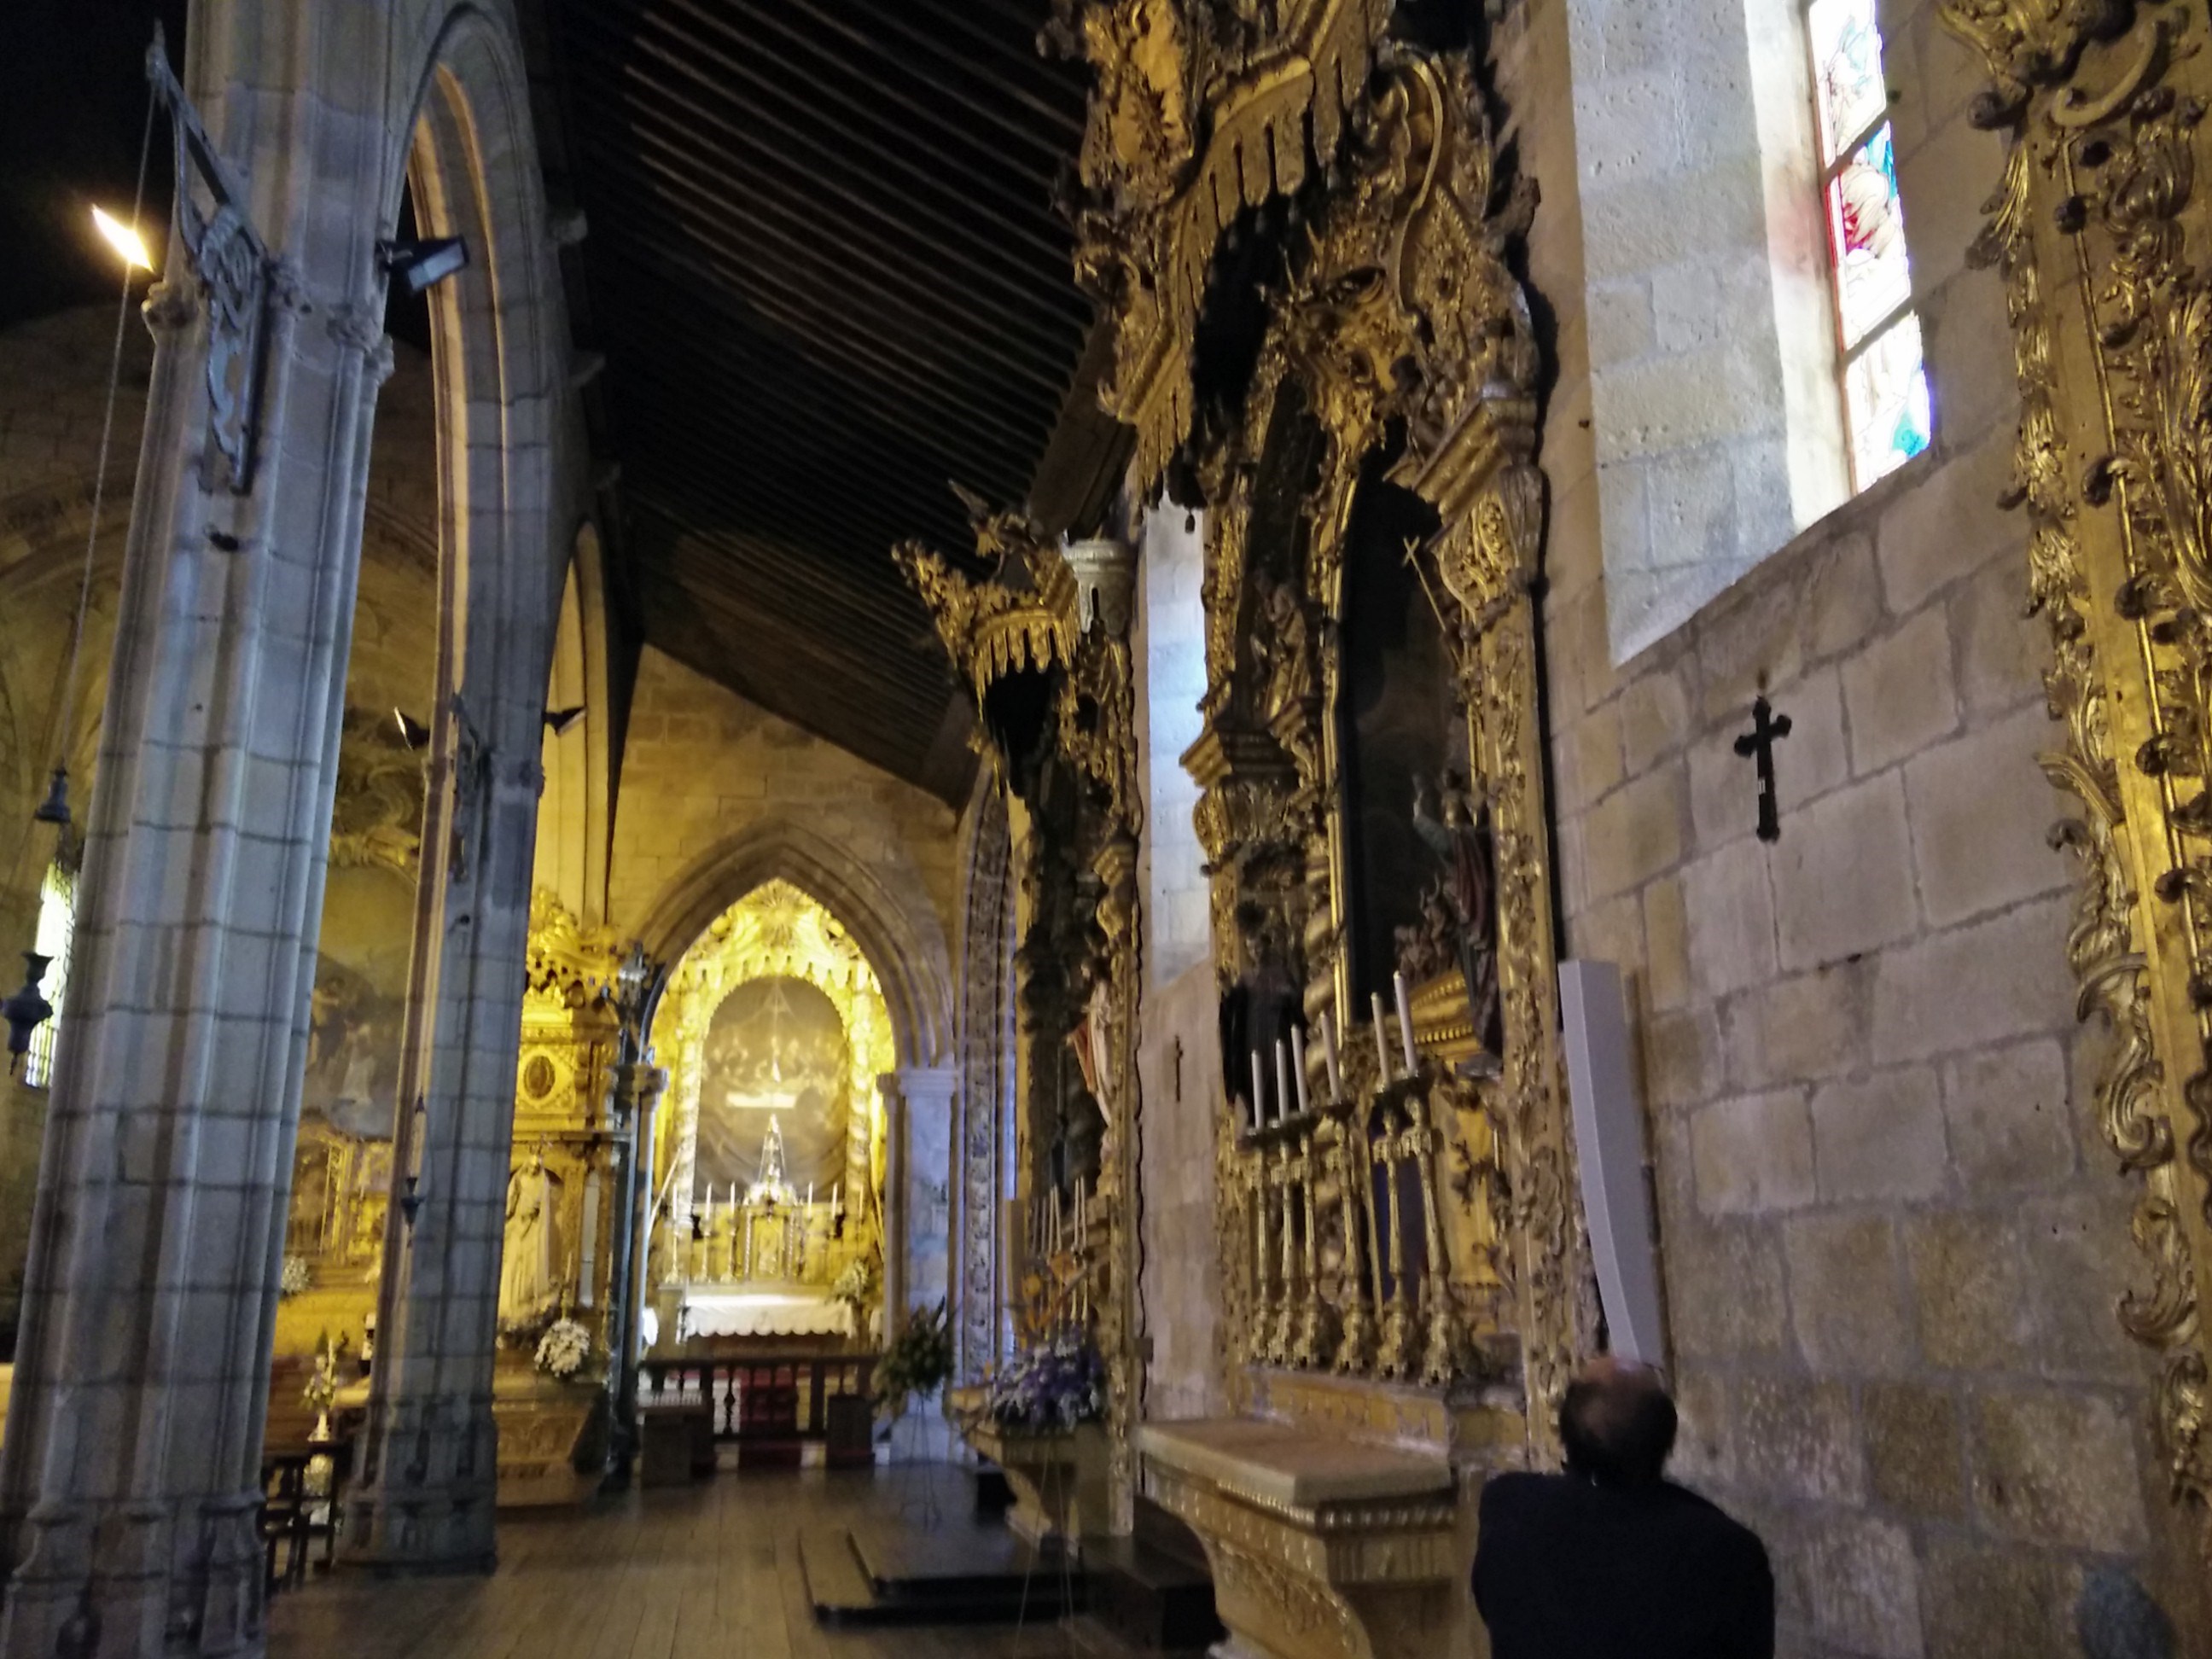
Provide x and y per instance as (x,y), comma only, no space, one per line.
(1050,1230)
(1291,1061)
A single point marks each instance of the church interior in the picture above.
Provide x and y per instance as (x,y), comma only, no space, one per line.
(840,824)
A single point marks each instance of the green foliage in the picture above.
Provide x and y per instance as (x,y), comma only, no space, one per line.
(920,1359)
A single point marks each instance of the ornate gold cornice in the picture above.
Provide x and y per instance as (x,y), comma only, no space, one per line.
(2102,242)
(1200,111)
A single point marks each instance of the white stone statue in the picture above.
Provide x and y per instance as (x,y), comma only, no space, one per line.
(529,1281)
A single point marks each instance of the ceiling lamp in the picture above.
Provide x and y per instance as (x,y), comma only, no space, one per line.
(124,238)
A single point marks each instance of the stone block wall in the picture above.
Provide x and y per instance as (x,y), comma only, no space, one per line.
(701,765)
(1891,1238)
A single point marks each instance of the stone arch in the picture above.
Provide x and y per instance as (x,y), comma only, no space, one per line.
(504,430)
(900,936)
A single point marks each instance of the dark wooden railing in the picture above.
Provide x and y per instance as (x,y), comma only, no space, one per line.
(784,1398)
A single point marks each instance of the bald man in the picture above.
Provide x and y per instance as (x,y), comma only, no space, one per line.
(1610,1558)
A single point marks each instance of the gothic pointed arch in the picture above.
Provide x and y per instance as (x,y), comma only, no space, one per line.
(899,933)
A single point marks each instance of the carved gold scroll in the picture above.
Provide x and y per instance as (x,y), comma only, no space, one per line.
(1061,616)
(2105,248)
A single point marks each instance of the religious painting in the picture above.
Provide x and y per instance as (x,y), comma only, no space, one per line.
(359,1001)
(776,1060)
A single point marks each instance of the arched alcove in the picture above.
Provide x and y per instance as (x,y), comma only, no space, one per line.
(774,1032)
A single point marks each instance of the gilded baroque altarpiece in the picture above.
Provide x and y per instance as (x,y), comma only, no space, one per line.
(1040,637)
(1424,1230)
(2104,245)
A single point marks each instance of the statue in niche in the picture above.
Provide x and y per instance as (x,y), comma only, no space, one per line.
(1459,915)
(529,1277)
(1261,1008)
(1284,646)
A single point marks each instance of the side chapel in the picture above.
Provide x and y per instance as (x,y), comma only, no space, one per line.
(1557,707)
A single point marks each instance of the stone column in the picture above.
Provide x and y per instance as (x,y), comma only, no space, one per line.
(894,1205)
(916,1184)
(130,1478)
(427,1477)
(638,1087)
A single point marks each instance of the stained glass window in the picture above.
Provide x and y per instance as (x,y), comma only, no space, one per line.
(57,928)
(1886,395)
(1847,64)
(1885,379)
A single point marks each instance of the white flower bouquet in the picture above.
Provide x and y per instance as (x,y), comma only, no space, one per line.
(563,1349)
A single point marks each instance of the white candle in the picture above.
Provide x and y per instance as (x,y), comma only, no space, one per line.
(1259,1090)
(1298,1066)
(1382,1043)
(1328,1052)
(1282,1081)
(1405,1025)
(810,1194)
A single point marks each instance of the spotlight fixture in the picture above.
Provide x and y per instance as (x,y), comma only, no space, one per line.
(54,809)
(424,263)
(413,733)
(26,1010)
(558,720)
(124,238)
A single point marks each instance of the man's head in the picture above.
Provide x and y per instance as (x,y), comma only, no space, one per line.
(1617,1423)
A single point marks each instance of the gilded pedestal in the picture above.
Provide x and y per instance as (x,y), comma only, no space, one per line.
(1321,1547)
(1058,1480)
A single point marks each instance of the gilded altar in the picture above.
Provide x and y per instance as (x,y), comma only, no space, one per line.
(1302,228)
(1042,644)
(773,1136)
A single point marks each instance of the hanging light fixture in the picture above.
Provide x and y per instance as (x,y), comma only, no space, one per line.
(26,1010)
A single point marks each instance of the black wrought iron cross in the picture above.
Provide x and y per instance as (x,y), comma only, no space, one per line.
(1767,728)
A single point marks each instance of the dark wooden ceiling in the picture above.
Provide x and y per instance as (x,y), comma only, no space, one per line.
(826,276)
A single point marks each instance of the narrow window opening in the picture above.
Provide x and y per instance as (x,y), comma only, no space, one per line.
(1887,416)
(56,931)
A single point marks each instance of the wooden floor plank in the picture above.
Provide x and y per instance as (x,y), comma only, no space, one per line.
(707,1571)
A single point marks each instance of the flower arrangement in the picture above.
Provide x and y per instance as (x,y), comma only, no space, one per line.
(857,1286)
(295,1278)
(563,1349)
(1051,1387)
(919,1361)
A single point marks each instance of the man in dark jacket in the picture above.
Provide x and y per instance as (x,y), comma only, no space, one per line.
(1610,1560)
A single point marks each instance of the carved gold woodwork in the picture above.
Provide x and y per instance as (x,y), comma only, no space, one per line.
(1200,112)
(563,1082)
(1397,321)
(1319,1549)
(1031,619)
(2105,251)
(778,932)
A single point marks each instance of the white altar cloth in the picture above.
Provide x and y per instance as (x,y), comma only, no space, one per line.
(762,1310)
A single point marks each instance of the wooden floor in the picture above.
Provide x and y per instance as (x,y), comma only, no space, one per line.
(711,1569)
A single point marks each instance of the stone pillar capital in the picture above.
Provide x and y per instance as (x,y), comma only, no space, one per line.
(920,1086)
